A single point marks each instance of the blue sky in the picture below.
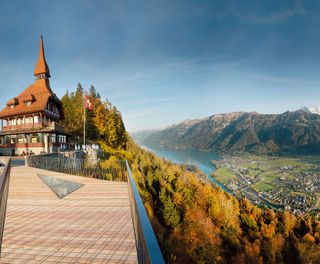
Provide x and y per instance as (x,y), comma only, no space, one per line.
(161,62)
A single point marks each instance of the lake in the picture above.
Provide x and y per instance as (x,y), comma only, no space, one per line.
(199,158)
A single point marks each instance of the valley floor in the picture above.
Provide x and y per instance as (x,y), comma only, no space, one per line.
(292,183)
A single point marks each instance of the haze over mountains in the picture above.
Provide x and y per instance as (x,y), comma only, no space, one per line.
(295,132)
(140,136)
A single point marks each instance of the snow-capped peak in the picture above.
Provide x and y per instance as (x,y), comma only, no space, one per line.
(312,110)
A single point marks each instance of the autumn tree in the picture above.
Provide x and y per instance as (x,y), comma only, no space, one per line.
(104,123)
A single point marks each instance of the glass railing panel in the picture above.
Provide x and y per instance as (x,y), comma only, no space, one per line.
(4,188)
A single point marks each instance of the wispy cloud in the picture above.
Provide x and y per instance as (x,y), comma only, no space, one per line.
(283,79)
(162,100)
(140,113)
(218,66)
(274,17)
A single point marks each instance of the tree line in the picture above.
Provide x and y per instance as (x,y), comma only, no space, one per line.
(104,123)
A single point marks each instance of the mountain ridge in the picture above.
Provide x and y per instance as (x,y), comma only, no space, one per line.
(312,110)
(296,132)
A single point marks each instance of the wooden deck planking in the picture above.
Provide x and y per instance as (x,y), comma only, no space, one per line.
(90,225)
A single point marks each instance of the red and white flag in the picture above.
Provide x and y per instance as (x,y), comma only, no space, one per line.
(88,103)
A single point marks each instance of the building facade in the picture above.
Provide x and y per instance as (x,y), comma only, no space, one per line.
(31,122)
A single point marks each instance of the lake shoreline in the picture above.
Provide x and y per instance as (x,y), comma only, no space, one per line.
(198,158)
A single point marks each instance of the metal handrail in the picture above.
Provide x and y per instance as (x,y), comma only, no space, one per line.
(4,188)
(147,245)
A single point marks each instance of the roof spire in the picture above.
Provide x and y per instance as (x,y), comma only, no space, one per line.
(41,70)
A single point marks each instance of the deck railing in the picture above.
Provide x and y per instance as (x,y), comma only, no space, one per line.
(4,188)
(147,245)
(76,166)
(148,250)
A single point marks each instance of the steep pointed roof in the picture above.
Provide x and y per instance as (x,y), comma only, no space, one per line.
(42,66)
(38,93)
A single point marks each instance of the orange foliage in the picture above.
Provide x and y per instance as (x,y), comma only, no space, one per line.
(309,238)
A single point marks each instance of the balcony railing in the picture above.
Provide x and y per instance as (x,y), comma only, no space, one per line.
(4,187)
(148,250)
(52,125)
(24,126)
(57,127)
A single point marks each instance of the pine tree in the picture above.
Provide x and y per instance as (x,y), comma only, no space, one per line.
(169,211)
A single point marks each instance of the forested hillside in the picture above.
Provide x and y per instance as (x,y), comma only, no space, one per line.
(196,222)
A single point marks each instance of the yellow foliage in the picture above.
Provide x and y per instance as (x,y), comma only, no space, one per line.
(277,243)
(268,231)
(289,222)
(149,208)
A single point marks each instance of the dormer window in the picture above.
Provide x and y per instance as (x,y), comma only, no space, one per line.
(12,103)
(28,100)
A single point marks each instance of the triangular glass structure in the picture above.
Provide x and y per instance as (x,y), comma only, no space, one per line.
(59,186)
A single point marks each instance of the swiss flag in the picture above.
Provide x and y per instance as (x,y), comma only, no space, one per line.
(88,103)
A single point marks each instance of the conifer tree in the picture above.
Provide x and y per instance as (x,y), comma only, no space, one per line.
(170,214)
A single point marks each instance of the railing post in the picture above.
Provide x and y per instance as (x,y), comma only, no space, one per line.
(26,161)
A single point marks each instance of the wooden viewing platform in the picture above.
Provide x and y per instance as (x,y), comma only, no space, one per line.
(90,225)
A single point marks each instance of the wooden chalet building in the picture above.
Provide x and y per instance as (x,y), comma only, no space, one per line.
(30,122)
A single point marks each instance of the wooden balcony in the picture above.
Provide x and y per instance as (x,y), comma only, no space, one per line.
(53,125)
(25,145)
(57,127)
(24,126)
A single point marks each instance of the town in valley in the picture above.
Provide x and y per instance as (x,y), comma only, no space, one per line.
(290,183)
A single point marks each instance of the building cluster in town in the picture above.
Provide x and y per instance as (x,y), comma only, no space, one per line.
(294,187)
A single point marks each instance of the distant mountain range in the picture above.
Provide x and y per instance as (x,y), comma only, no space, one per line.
(140,136)
(295,132)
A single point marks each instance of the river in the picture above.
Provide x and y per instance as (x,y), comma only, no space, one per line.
(201,159)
